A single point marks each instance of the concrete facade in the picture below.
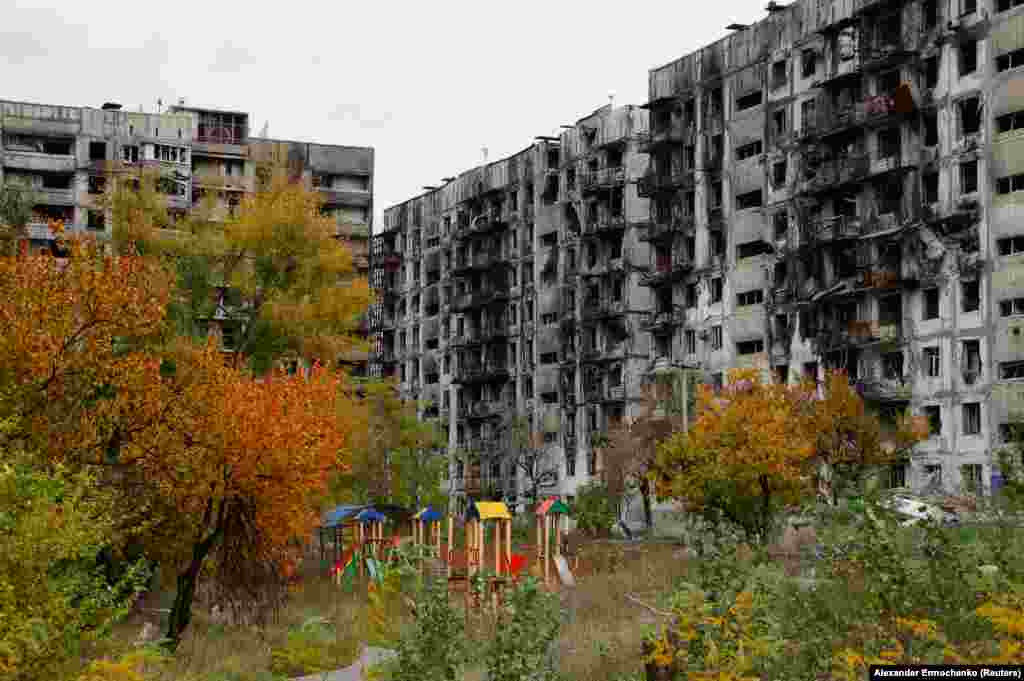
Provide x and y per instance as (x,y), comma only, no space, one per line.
(64,154)
(836,185)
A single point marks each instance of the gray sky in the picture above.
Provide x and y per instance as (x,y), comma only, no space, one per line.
(427,84)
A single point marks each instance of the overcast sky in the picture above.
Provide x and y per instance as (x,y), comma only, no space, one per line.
(427,84)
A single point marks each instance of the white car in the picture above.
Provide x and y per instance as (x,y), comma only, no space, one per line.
(915,511)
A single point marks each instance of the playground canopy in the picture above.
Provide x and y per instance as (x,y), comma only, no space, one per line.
(489,510)
(552,506)
(428,515)
(339,515)
(370,515)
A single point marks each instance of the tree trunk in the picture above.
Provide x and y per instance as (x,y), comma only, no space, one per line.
(181,611)
(645,496)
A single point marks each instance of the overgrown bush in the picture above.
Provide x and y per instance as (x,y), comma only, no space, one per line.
(315,646)
(881,593)
(595,509)
(434,649)
(526,630)
(54,598)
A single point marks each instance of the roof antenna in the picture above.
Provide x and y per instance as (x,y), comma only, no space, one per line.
(611,99)
(484,149)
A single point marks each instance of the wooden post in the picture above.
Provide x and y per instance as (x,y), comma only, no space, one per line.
(540,544)
(362,547)
(558,535)
(451,546)
(547,548)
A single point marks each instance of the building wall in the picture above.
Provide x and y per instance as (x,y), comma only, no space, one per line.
(788,222)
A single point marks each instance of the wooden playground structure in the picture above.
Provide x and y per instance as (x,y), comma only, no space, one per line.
(482,570)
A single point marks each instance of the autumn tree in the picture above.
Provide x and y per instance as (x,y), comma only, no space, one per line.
(852,443)
(395,456)
(747,455)
(272,270)
(215,473)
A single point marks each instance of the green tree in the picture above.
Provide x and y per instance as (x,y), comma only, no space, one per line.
(16,203)
(54,597)
(396,457)
(272,273)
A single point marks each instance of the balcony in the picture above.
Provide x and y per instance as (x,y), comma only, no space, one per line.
(662,322)
(859,332)
(835,173)
(469,301)
(54,197)
(836,228)
(601,309)
(478,261)
(716,218)
(483,410)
(475,372)
(782,295)
(605,222)
(487,334)
(654,182)
(667,269)
(340,197)
(39,162)
(665,230)
(604,178)
(886,278)
(884,390)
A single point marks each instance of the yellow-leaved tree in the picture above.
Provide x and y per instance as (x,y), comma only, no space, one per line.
(746,456)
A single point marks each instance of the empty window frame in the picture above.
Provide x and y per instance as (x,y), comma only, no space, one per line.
(750,347)
(1006,185)
(1011,371)
(749,150)
(716,337)
(717,287)
(1011,307)
(752,249)
(749,101)
(930,304)
(932,362)
(1007,5)
(809,62)
(972,418)
(1010,60)
(755,297)
(969,176)
(749,200)
(1011,245)
(1011,121)
(970,296)
(970,115)
(968,57)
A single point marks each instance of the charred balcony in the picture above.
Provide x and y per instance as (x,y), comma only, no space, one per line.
(604,179)
(476,372)
(667,136)
(836,335)
(595,310)
(466,263)
(479,410)
(667,269)
(883,390)
(661,322)
(833,174)
(480,298)
(605,222)
(665,230)
(488,333)
(659,182)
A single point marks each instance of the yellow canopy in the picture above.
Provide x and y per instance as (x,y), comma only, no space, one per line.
(492,510)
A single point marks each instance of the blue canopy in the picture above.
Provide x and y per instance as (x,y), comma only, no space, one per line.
(370,515)
(340,514)
(428,515)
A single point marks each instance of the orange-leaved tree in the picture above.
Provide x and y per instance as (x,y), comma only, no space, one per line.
(71,327)
(746,456)
(852,443)
(242,463)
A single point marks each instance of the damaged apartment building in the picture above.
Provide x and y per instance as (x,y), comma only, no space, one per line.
(511,301)
(66,155)
(833,186)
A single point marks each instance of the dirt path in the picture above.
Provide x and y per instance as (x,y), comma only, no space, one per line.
(370,657)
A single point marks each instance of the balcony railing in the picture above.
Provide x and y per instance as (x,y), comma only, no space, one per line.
(667,269)
(860,331)
(881,278)
(476,372)
(836,227)
(605,177)
(671,135)
(474,299)
(603,308)
(884,390)
(659,230)
(604,222)
(655,320)
(654,181)
(483,410)
(837,172)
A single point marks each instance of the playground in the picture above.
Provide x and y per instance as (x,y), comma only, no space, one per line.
(475,553)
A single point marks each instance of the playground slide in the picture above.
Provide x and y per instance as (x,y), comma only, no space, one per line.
(564,574)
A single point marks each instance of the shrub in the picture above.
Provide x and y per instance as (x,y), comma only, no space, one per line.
(527,629)
(316,646)
(595,509)
(435,648)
